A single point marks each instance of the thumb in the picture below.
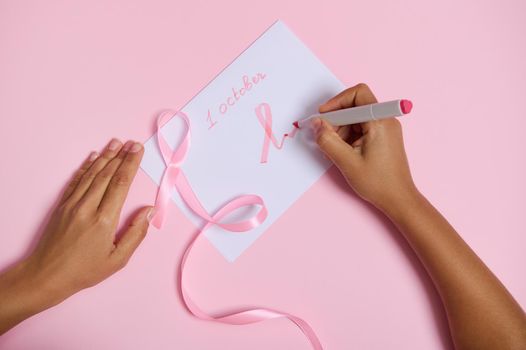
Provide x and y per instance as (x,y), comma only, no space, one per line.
(340,152)
(132,236)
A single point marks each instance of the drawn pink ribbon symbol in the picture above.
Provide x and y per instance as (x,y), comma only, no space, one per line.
(174,177)
(264,115)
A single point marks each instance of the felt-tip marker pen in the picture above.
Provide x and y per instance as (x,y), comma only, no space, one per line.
(360,114)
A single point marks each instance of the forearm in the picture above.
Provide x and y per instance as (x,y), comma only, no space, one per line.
(481,312)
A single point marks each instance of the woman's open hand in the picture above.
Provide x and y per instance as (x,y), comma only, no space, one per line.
(78,248)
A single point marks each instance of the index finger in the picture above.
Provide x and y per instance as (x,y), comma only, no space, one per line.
(120,183)
(355,96)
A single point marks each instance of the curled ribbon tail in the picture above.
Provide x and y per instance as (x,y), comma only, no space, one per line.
(174,178)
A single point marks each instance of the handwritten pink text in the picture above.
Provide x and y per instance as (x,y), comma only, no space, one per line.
(249,83)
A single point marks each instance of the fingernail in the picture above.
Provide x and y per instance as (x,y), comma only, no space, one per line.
(114,145)
(92,156)
(127,146)
(136,147)
(150,215)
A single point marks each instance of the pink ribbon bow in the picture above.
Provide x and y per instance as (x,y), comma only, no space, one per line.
(174,177)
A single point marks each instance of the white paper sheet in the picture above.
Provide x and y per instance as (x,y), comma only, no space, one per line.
(227,138)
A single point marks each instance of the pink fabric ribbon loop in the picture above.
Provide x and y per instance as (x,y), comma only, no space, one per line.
(172,161)
(174,177)
(176,157)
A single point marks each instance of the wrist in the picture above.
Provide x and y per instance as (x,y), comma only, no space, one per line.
(26,291)
(43,291)
(29,288)
(396,207)
(20,296)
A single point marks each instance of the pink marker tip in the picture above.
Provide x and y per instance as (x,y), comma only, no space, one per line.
(296,124)
(406,106)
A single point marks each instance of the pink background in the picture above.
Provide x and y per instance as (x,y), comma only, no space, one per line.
(75,74)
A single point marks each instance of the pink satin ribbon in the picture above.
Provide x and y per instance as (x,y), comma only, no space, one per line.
(174,177)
